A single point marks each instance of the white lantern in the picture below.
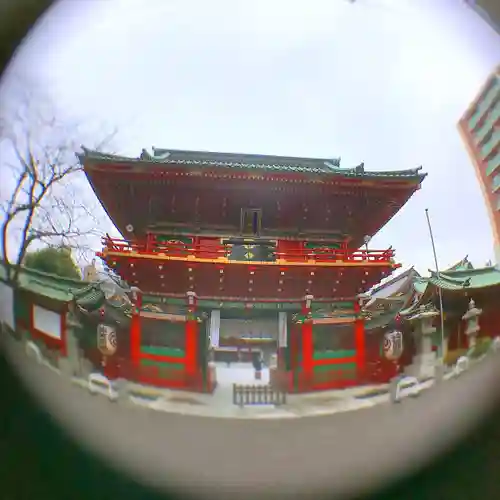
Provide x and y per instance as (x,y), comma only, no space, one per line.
(393,345)
(106,339)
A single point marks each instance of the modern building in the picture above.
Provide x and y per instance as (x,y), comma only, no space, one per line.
(480,131)
(489,10)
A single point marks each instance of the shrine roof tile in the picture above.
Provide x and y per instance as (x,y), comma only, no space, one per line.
(466,278)
(462,265)
(57,288)
(206,159)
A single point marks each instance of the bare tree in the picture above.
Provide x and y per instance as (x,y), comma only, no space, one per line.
(45,196)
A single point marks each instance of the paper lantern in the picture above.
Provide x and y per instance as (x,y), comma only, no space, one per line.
(106,339)
(393,345)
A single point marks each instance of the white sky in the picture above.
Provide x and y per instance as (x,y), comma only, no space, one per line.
(379,81)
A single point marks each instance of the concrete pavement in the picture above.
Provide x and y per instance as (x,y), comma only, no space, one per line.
(345,452)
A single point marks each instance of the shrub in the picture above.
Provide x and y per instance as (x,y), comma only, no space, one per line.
(452,356)
(483,345)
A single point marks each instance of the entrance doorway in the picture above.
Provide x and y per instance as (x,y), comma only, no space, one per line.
(243,339)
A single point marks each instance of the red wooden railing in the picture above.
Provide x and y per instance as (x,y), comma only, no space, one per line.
(201,251)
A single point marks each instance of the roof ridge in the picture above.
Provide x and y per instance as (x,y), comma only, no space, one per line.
(251,161)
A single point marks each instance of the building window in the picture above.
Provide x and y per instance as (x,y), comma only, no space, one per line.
(495,183)
(251,221)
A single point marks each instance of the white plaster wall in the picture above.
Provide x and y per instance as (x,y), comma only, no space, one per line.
(47,322)
(7,305)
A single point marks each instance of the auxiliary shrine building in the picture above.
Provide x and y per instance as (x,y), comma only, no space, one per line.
(232,253)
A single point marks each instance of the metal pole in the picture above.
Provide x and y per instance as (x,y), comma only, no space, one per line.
(439,288)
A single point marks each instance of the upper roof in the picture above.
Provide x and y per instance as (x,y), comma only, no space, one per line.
(252,162)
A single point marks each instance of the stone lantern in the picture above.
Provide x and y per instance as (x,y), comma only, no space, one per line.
(472,319)
(424,362)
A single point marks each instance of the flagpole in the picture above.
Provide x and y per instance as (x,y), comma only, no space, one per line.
(440,292)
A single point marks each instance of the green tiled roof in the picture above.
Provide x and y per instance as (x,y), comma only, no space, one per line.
(381,320)
(58,288)
(90,297)
(462,265)
(420,284)
(466,278)
(46,284)
(318,166)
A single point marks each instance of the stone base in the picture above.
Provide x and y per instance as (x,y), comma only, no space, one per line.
(86,368)
(65,367)
(423,365)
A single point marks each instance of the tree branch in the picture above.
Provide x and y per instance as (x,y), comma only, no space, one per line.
(42,205)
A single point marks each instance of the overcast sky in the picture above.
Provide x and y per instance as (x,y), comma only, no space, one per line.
(379,81)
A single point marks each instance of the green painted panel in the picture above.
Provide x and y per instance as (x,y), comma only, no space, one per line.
(253,253)
(331,306)
(321,244)
(165,238)
(159,364)
(22,307)
(163,351)
(86,335)
(272,306)
(217,304)
(344,367)
(338,367)
(334,354)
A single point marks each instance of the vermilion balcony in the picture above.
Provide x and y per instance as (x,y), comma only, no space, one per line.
(223,253)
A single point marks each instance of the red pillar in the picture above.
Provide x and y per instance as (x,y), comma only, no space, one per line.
(135,339)
(191,331)
(135,329)
(307,345)
(359,336)
(64,332)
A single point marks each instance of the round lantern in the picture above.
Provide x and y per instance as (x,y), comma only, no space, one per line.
(106,339)
(393,345)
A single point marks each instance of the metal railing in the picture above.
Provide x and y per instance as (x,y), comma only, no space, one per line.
(223,252)
(257,395)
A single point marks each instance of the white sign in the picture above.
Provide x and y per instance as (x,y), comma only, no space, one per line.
(47,322)
(106,339)
(214,327)
(282,329)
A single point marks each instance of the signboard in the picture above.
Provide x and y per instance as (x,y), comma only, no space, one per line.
(47,322)
(214,328)
(282,329)
(393,345)
(106,339)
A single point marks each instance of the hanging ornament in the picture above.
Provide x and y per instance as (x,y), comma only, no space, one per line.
(393,345)
(106,339)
